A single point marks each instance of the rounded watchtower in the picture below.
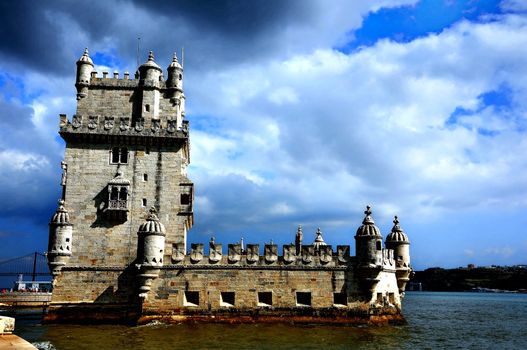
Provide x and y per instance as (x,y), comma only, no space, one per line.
(149,72)
(368,242)
(175,74)
(151,247)
(84,69)
(398,241)
(60,236)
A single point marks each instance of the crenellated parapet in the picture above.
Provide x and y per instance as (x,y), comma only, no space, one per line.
(255,256)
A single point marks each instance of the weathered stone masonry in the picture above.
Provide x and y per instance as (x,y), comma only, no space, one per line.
(127,150)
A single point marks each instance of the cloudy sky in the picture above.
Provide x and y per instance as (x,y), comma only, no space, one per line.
(301,112)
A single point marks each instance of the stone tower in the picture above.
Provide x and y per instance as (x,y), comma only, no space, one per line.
(127,149)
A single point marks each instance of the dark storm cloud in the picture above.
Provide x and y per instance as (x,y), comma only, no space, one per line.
(43,35)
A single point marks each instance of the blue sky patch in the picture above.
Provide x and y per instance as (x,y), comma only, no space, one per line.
(108,59)
(406,23)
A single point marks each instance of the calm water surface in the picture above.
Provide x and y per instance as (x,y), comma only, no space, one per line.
(435,321)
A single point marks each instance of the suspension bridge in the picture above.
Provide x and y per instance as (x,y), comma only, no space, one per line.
(33,264)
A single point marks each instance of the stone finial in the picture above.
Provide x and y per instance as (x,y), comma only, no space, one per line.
(85,58)
(396,226)
(368,220)
(151,56)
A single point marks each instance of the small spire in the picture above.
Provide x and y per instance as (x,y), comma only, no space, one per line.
(86,53)
(396,227)
(174,59)
(368,220)
(153,214)
(319,236)
(61,204)
(151,56)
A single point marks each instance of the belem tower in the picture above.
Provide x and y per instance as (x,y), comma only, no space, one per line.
(118,240)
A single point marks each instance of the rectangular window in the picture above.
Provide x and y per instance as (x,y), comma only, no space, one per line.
(227,299)
(379,298)
(340,299)
(303,298)
(143,202)
(185,198)
(391,298)
(191,298)
(145,177)
(119,155)
(265,298)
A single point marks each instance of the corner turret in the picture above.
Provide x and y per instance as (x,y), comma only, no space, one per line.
(84,69)
(398,241)
(174,84)
(150,250)
(60,235)
(368,242)
(150,73)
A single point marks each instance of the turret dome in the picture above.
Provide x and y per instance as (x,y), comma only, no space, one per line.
(319,241)
(397,235)
(150,64)
(175,63)
(61,216)
(368,227)
(85,58)
(152,225)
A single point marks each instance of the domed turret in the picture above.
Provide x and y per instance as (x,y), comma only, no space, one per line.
(319,241)
(60,236)
(150,72)
(398,241)
(84,69)
(368,241)
(175,74)
(151,247)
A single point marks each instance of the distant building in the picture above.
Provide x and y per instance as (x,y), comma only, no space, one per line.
(118,240)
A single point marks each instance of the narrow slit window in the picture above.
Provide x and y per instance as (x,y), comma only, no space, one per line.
(143,202)
(379,245)
(303,298)
(227,299)
(145,177)
(391,298)
(147,108)
(191,298)
(265,298)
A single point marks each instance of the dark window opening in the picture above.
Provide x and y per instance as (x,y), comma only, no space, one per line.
(147,108)
(143,203)
(180,77)
(391,298)
(379,298)
(340,299)
(67,239)
(123,194)
(114,195)
(191,298)
(400,257)
(145,177)
(379,245)
(303,298)
(119,155)
(227,299)
(185,198)
(265,298)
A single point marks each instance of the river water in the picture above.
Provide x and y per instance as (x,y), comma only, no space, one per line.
(435,321)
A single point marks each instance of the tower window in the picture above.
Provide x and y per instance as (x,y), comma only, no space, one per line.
(180,77)
(227,299)
(119,155)
(303,298)
(147,108)
(191,298)
(265,298)
(379,245)
(145,177)
(340,299)
(185,198)
(143,202)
